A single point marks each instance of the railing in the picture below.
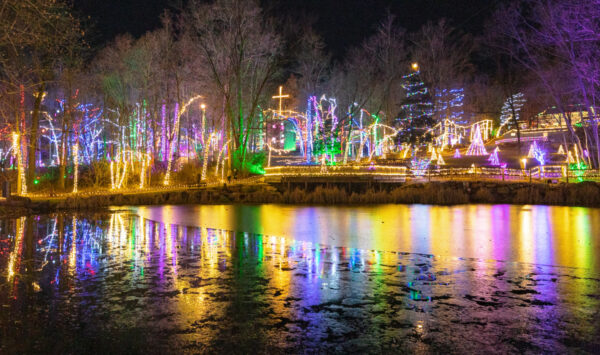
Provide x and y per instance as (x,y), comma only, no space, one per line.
(150,189)
(538,173)
(476,173)
(576,175)
(317,170)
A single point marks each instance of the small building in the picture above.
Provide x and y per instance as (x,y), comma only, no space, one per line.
(553,118)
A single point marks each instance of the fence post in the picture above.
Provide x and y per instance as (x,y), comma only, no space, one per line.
(429,173)
(567,171)
(503,174)
(530,175)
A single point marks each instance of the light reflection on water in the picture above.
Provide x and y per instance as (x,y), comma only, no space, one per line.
(562,236)
(297,279)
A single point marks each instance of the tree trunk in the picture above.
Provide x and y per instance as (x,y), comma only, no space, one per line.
(33,138)
(63,157)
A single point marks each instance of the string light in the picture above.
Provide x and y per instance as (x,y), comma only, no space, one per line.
(281,96)
(76,168)
(171,147)
(513,104)
(493,159)
(20,169)
(419,166)
(205,161)
(570,159)
(440,159)
(433,154)
(532,149)
(477,147)
(145,165)
(449,103)
(117,176)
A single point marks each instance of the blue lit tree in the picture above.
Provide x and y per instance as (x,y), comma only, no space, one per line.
(416,113)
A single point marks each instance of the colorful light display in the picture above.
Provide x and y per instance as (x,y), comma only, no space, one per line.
(417,110)
(493,159)
(419,166)
(440,159)
(449,105)
(537,153)
(477,147)
(539,156)
(433,155)
(322,136)
(511,111)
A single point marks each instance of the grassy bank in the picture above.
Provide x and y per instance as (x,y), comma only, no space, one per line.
(441,193)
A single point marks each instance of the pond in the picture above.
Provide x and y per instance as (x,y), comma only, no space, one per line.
(290,279)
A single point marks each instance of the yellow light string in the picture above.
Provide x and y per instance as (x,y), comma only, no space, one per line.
(117,176)
(123,175)
(20,169)
(221,158)
(205,160)
(73,253)
(166,182)
(112,175)
(145,165)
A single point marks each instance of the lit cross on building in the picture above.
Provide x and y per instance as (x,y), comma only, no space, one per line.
(280,97)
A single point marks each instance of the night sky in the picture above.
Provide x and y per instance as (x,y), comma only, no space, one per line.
(342,23)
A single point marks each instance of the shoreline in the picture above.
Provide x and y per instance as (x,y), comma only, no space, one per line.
(584,194)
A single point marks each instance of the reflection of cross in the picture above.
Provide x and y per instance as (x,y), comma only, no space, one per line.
(280,97)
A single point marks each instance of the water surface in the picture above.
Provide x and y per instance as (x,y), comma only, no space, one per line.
(282,279)
(563,236)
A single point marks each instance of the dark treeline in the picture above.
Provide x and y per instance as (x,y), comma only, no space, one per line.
(197,90)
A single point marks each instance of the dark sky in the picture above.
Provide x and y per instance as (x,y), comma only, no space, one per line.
(342,23)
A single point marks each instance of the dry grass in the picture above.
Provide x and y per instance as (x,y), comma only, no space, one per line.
(440,193)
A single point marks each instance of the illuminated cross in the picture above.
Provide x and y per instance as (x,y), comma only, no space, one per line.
(280,97)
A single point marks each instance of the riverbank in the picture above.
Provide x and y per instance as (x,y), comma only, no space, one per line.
(440,193)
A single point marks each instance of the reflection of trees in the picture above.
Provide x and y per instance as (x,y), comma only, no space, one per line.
(245,312)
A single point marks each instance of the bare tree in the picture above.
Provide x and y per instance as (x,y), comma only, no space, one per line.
(444,57)
(240,52)
(34,36)
(312,63)
(553,38)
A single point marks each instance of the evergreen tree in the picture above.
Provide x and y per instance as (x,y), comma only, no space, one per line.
(511,110)
(449,105)
(416,114)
